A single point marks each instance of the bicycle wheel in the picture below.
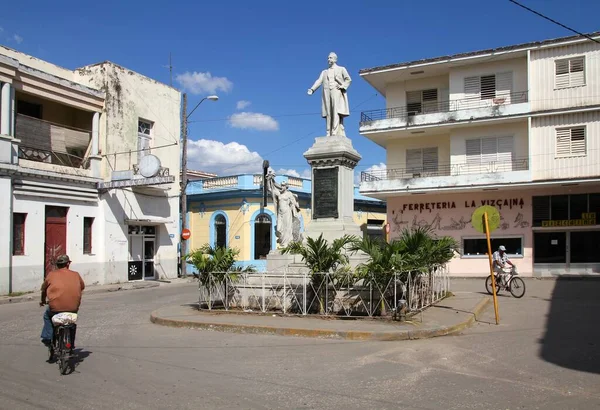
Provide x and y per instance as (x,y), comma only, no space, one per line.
(488,286)
(63,359)
(517,287)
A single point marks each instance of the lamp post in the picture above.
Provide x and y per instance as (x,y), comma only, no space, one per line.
(184,181)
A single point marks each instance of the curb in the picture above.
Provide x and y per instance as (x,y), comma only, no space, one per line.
(324,333)
(33,297)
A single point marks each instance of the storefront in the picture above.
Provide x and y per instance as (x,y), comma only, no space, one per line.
(545,231)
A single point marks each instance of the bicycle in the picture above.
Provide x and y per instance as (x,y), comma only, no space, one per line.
(61,347)
(514,284)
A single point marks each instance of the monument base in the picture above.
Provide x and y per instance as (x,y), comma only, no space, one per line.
(278,262)
(332,228)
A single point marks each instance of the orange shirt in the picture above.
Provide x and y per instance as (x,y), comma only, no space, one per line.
(63,289)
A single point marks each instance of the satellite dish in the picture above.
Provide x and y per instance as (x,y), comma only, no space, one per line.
(493,218)
(149,166)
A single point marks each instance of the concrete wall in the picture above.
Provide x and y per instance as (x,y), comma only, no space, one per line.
(545,96)
(6,237)
(545,164)
(28,269)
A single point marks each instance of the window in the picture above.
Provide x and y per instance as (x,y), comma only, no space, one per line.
(421,160)
(262,236)
(570,142)
(87,235)
(422,101)
(477,247)
(483,151)
(562,208)
(220,232)
(144,138)
(570,72)
(19,234)
(492,86)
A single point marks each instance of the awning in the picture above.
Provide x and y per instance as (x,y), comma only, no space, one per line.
(150,221)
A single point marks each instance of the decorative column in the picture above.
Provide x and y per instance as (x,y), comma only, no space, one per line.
(95,159)
(5,114)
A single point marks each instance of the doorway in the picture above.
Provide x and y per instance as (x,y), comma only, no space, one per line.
(142,252)
(55,237)
(571,251)
(262,236)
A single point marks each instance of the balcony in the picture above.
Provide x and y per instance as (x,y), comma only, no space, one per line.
(440,112)
(446,177)
(50,143)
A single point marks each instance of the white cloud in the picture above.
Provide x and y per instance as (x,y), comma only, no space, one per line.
(253,120)
(242,104)
(223,159)
(199,83)
(293,173)
(1,29)
(18,39)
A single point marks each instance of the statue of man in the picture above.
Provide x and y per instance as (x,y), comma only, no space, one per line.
(334,107)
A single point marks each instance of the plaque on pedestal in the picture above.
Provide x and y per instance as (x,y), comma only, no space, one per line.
(325,182)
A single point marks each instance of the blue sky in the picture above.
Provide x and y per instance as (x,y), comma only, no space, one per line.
(267,53)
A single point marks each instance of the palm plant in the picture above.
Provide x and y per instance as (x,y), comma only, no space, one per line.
(321,258)
(215,263)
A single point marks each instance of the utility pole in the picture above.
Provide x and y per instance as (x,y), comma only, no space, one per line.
(183,206)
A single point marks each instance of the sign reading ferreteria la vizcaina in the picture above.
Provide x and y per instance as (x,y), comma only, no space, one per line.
(435,206)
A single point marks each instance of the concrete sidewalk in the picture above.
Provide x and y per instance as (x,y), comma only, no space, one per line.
(93,289)
(450,316)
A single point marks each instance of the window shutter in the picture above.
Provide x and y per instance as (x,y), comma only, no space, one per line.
(505,153)
(488,87)
(413,102)
(472,87)
(473,152)
(430,100)
(562,73)
(504,86)
(414,160)
(430,159)
(577,73)
(489,150)
(563,142)
(578,141)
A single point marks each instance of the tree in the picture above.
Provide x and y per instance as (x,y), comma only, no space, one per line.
(322,259)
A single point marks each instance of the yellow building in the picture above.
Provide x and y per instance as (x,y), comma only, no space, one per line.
(228,211)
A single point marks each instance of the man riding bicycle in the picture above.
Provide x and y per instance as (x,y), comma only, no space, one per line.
(500,258)
(63,288)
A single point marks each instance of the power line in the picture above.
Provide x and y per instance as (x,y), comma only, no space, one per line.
(554,21)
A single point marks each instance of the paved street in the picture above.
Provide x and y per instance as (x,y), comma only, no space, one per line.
(544,355)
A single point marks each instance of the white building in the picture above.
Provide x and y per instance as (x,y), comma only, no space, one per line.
(72,175)
(516,127)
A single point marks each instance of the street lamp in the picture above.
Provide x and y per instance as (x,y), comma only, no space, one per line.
(184,181)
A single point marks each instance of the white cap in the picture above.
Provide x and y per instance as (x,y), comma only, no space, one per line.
(502,248)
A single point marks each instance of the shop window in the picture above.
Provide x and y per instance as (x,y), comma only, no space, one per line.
(477,247)
(585,246)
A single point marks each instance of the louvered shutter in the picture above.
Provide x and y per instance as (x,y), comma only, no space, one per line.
(413,102)
(576,72)
(430,159)
(473,154)
(563,142)
(505,153)
(489,150)
(488,87)
(430,100)
(414,161)
(562,73)
(578,141)
(472,91)
(504,87)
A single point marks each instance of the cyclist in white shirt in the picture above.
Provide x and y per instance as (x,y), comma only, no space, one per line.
(500,259)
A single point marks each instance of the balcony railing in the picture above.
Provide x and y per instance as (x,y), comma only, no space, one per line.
(432,107)
(442,170)
(51,143)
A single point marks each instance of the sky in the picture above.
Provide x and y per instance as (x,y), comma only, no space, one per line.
(261,57)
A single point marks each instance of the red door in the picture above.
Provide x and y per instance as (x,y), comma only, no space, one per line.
(56,236)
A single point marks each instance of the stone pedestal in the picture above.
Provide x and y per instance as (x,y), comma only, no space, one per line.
(279,263)
(332,160)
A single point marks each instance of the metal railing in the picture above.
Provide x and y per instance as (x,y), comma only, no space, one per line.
(324,294)
(455,169)
(432,107)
